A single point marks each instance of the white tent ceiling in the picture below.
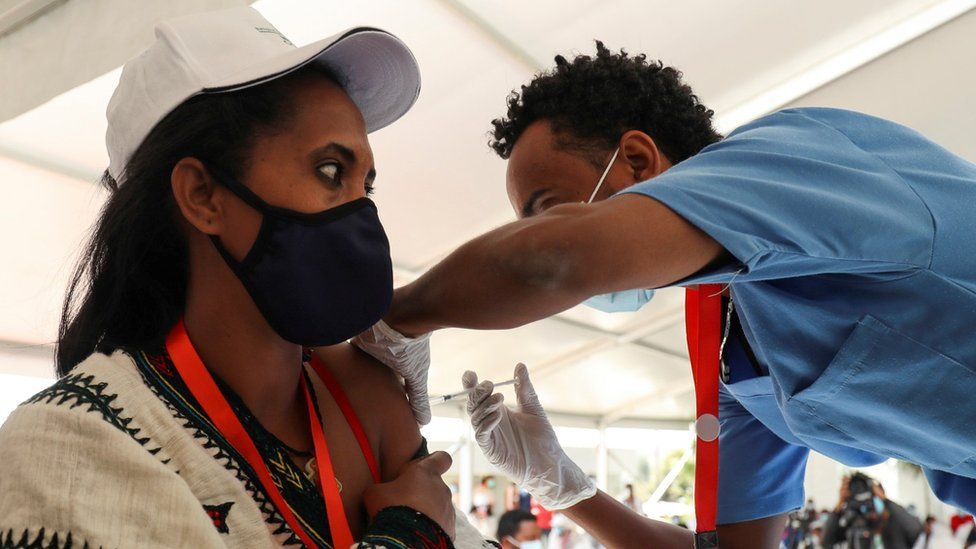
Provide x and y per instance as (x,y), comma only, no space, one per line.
(439,184)
(49,46)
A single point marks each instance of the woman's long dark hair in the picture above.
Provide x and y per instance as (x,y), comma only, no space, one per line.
(129,287)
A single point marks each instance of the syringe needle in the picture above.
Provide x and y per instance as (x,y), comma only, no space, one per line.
(447,398)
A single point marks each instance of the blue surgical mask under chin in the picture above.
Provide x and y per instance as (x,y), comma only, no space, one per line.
(620,302)
(626,300)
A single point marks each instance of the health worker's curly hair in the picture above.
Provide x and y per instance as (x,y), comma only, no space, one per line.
(592,101)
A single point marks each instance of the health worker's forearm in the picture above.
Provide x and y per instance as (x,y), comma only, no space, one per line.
(511,276)
(536,267)
(615,525)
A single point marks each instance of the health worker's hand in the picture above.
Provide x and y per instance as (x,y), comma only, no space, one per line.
(522,443)
(409,357)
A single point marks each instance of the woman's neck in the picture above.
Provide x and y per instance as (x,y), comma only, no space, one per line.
(239,347)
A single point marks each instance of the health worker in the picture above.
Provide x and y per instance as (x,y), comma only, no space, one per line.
(845,246)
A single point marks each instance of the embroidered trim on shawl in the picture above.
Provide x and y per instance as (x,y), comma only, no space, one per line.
(155,369)
(40,541)
(405,528)
(81,390)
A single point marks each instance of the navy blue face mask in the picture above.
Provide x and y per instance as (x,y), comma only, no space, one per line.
(317,278)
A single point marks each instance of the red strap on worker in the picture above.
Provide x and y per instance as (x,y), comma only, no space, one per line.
(350,414)
(703,323)
(205,390)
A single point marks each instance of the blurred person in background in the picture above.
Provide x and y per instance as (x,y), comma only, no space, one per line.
(959,519)
(864,514)
(542,515)
(928,531)
(566,534)
(562,532)
(631,500)
(800,528)
(526,501)
(518,529)
(483,504)
(512,494)
(517,498)
(679,522)
(817,527)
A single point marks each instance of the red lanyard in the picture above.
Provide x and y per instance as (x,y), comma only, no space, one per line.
(205,390)
(703,311)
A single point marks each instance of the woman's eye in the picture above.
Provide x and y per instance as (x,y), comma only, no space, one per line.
(330,170)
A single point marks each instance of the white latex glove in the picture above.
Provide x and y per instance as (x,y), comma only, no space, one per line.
(522,443)
(408,357)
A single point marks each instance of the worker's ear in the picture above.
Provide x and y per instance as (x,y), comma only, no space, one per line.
(195,192)
(642,154)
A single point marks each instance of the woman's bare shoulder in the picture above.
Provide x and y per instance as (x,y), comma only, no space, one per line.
(378,398)
(357,370)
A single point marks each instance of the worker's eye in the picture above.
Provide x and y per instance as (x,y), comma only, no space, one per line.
(331,171)
(542,205)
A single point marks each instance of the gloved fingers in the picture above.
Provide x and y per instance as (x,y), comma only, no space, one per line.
(382,329)
(490,405)
(420,404)
(363,342)
(416,387)
(486,427)
(479,416)
(528,401)
(481,391)
(394,349)
(469,379)
(490,421)
(372,339)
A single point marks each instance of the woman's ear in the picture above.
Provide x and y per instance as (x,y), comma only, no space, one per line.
(195,192)
(643,155)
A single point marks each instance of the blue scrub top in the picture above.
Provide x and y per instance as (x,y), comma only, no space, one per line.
(854,277)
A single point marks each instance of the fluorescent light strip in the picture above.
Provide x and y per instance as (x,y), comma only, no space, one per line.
(837,66)
(17,13)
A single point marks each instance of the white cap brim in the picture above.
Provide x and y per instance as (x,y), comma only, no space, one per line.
(377,71)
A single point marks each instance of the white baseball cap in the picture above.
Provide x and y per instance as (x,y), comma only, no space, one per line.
(232,49)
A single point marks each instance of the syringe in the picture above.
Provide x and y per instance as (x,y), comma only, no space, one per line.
(447,398)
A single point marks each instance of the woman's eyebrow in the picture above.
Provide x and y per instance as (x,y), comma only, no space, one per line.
(345,152)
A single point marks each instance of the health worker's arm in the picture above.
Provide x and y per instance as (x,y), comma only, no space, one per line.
(539,266)
(615,525)
(521,442)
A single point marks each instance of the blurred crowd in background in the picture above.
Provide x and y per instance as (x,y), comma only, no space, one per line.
(863,517)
